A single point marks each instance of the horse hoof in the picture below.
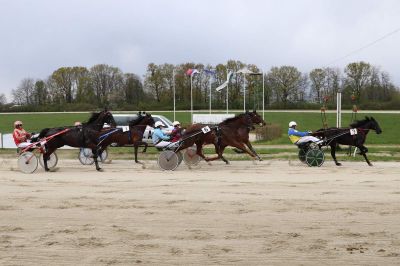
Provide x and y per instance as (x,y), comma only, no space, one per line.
(338,164)
(370,164)
(99,169)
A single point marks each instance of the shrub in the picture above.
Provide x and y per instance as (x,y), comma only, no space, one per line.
(269,132)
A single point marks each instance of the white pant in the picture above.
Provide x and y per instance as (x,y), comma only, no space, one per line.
(306,139)
(163,144)
(23,144)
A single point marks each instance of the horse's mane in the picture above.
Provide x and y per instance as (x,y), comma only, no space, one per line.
(93,117)
(137,120)
(232,119)
(360,123)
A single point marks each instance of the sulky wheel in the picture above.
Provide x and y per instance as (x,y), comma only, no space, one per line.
(85,156)
(191,157)
(27,162)
(302,155)
(315,158)
(51,162)
(180,156)
(168,160)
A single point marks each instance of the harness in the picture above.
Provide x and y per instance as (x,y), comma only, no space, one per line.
(106,135)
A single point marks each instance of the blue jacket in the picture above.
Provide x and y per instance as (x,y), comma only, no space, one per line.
(295,135)
(159,135)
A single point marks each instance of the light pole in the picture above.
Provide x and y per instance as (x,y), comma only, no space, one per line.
(191,93)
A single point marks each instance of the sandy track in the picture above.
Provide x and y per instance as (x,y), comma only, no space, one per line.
(267,213)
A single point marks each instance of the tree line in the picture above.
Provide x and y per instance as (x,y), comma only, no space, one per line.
(80,88)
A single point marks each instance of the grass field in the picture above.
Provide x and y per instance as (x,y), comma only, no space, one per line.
(34,122)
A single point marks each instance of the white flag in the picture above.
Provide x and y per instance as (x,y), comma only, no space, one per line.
(222,86)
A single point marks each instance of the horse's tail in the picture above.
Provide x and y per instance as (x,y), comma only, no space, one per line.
(43,133)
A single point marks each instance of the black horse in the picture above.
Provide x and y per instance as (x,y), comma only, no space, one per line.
(85,136)
(353,136)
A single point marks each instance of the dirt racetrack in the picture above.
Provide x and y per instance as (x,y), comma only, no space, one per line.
(269,213)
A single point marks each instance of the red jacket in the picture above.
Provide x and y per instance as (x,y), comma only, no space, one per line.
(20,135)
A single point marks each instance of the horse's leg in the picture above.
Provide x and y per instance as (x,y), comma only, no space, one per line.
(333,153)
(363,151)
(220,154)
(145,147)
(199,150)
(242,147)
(252,150)
(96,153)
(136,147)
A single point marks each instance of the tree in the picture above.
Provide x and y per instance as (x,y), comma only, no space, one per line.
(3,99)
(105,80)
(286,82)
(358,76)
(40,95)
(154,81)
(318,84)
(24,94)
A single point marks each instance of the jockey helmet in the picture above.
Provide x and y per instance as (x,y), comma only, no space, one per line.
(292,123)
(158,124)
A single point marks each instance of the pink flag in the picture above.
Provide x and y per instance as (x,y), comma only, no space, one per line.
(192,71)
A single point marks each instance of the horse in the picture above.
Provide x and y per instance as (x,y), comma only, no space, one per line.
(356,136)
(84,136)
(230,132)
(133,136)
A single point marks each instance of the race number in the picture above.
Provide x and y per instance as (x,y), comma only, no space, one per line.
(125,128)
(206,129)
(353,131)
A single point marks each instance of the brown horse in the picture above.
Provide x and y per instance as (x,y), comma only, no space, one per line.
(231,132)
(133,136)
(84,136)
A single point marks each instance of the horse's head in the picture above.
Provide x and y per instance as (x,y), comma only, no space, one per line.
(143,119)
(256,118)
(106,117)
(367,123)
(148,120)
(373,124)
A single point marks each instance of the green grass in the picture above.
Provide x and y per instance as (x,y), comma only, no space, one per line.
(34,122)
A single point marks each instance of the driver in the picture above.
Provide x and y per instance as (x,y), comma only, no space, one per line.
(160,139)
(21,137)
(299,137)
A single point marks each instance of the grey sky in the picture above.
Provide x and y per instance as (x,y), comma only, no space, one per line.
(39,36)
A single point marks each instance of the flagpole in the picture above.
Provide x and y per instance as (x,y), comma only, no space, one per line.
(210,93)
(227,98)
(263,94)
(191,98)
(244,92)
(173,86)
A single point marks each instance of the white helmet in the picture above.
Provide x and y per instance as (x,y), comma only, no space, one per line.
(17,123)
(292,123)
(175,123)
(158,124)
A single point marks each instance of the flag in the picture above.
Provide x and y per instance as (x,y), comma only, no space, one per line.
(222,86)
(245,70)
(229,76)
(192,71)
(209,71)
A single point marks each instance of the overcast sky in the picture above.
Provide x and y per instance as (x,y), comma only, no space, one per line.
(39,36)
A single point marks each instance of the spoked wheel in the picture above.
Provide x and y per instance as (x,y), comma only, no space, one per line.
(168,160)
(51,162)
(315,158)
(27,162)
(191,157)
(302,155)
(180,156)
(85,156)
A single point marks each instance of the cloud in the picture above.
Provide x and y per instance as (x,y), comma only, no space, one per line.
(41,36)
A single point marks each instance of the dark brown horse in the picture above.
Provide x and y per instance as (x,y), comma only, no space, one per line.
(84,136)
(133,136)
(231,132)
(349,136)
